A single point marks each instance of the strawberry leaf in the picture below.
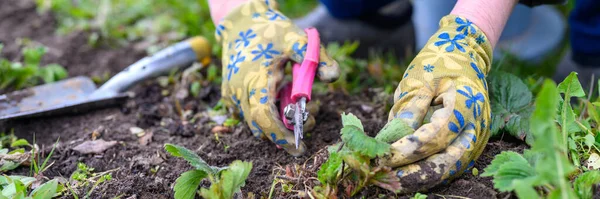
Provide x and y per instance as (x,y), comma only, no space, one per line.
(511,103)
(329,171)
(385,178)
(230,181)
(351,120)
(356,140)
(187,184)
(192,158)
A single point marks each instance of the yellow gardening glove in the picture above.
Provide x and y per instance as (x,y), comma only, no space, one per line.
(257,42)
(450,71)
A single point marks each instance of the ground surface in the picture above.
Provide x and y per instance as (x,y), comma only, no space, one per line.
(155,113)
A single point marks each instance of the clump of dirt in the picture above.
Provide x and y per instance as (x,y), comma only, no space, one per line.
(145,170)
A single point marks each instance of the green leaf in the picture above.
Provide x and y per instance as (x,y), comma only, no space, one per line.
(19,142)
(393,131)
(230,181)
(52,72)
(187,184)
(510,172)
(554,166)
(9,165)
(45,191)
(329,171)
(589,140)
(356,140)
(571,86)
(583,185)
(15,189)
(593,112)
(191,157)
(33,55)
(511,103)
(524,189)
(350,119)
(385,178)
(566,119)
(231,122)
(9,179)
(195,88)
(419,196)
(501,159)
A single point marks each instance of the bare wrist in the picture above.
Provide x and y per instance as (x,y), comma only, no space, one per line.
(220,8)
(490,15)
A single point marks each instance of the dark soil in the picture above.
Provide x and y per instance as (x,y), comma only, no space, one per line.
(155,113)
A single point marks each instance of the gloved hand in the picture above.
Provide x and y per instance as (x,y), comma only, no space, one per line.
(450,71)
(257,42)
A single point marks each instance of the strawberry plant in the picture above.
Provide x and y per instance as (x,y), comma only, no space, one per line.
(225,181)
(356,152)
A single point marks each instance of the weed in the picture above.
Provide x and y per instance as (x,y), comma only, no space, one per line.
(17,75)
(36,167)
(85,176)
(560,140)
(225,181)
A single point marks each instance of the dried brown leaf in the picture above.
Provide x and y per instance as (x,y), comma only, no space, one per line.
(95,146)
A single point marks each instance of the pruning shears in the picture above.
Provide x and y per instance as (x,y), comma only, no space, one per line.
(294,96)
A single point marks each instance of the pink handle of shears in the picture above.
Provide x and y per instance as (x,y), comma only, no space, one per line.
(304,75)
(284,100)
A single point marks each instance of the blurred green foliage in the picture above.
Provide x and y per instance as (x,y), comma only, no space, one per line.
(157,22)
(29,72)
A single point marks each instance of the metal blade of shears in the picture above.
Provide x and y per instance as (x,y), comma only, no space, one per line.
(299,115)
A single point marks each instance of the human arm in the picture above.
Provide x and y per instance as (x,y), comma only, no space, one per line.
(447,77)
(257,41)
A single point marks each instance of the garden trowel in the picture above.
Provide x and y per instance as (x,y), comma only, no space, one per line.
(80,94)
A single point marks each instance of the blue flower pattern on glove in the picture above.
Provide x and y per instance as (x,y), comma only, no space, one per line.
(299,50)
(457,167)
(402,94)
(454,42)
(232,67)
(238,105)
(266,52)
(407,70)
(429,68)
(457,127)
(473,100)
(465,26)
(220,28)
(257,131)
(466,141)
(265,97)
(278,142)
(273,15)
(245,38)
(480,39)
(480,75)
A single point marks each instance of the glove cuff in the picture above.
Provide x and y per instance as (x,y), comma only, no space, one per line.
(472,37)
